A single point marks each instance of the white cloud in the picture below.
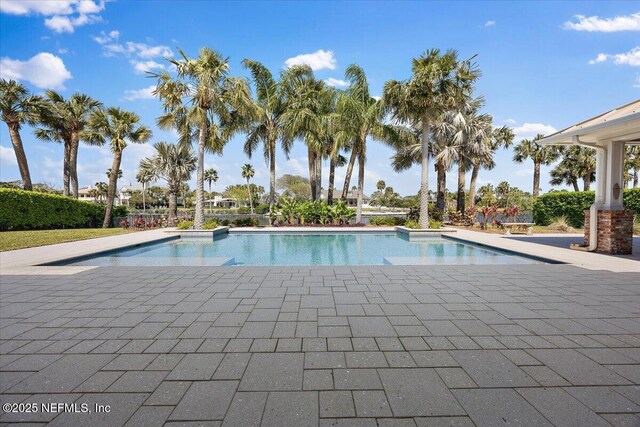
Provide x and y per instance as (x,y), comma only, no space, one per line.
(490,23)
(27,7)
(7,156)
(605,25)
(511,121)
(141,50)
(631,58)
(530,130)
(104,37)
(142,67)
(336,82)
(135,94)
(44,70)
(63,51)
(62,16)
(318,60)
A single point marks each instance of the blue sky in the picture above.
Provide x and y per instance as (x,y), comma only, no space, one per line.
(546,65)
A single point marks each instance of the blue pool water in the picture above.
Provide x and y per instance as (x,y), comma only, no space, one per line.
(291,249)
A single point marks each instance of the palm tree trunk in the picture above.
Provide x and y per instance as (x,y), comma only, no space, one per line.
(312,172)
(361,160)
(574,182)
(199,215)
(272,172)
(472,184)
(586,181)
(319,175)
(442,185)
(332,177)
(73,165)
(347,177)
(21,157)
(536,179)
(461,185)
(113,185)
(144,202)
(635,178)
(424,177)
(66,171)
(250,198)
(173,203)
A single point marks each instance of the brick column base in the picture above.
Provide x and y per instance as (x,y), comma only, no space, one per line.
(615,231)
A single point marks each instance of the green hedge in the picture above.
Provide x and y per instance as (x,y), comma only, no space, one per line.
(30,210)
(572,204)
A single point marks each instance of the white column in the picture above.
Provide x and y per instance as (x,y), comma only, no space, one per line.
(601,173)
(614,176)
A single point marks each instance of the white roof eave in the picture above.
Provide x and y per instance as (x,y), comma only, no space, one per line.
(614,129)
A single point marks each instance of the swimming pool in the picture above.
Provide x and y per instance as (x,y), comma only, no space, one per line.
(304,249)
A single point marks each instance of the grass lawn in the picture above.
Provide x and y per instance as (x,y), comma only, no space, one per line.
(10,240)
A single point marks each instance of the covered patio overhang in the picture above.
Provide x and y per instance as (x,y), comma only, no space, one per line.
(608,227)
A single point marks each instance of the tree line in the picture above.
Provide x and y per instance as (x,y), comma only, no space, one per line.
(432,115)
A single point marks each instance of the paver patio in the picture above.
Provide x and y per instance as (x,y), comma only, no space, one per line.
(385,345)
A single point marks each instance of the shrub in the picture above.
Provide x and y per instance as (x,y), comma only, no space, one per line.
(412,224)
(225,222)
(434,224)
(572,205)
(210,224)
(30,210)
(636,224)
(561,224)
(185,225)
(245,222)
(387,220)
(434,212)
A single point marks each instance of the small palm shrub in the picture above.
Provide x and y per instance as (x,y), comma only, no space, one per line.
(412,224)
(185,225)
(210,224)
(434,224)
(387,221)
(245,222)
(561,224)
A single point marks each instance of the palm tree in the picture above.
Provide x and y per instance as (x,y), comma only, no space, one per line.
(248,173)
(119,173)
(63,120)
(304,97)
(540,154)
(632,162)
(144,178)
(202,100)
(119,127)
(102,188)
(210,175)
(502,137)
(381,185)
(266,125)
(577,162)
(440,82)
(361,117)
(564,173)
(17,107)
(173,163)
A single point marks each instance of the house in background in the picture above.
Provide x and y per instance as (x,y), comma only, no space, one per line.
(123,196)
(352,198)
(221,202)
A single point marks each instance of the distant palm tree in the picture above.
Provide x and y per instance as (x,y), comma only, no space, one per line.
(439,82)
(564,173)
(577,162)
(143,177)
(362,117)
(211,176)
(266,125)
(381,185)
(203,101)
(632,162)
(248,173)
(17,107)
(119,173)
(63,120)
(502,138)
(174,163)
(540,154)
(119,127)
(101,190)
